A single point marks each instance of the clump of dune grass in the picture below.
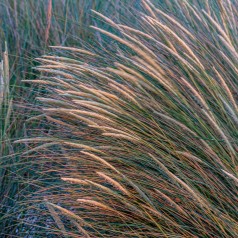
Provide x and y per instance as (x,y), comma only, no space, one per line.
(29,27)
(144,135)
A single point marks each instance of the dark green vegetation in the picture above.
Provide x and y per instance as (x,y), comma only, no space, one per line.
(131,131)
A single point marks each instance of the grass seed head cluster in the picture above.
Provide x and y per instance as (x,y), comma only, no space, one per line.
(142,131)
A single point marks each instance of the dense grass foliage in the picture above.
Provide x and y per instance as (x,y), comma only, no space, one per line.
(28,28)
(141,136)
(127,128)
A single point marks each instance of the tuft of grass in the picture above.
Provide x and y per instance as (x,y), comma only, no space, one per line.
(144,134)
(29,27)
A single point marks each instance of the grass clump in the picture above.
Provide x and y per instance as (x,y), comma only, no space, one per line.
(143,135)
(29,27)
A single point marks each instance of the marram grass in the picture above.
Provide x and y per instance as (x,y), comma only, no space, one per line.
(29,27)
(143,131)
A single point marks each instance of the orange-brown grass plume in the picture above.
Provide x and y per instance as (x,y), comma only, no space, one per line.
(146,126)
